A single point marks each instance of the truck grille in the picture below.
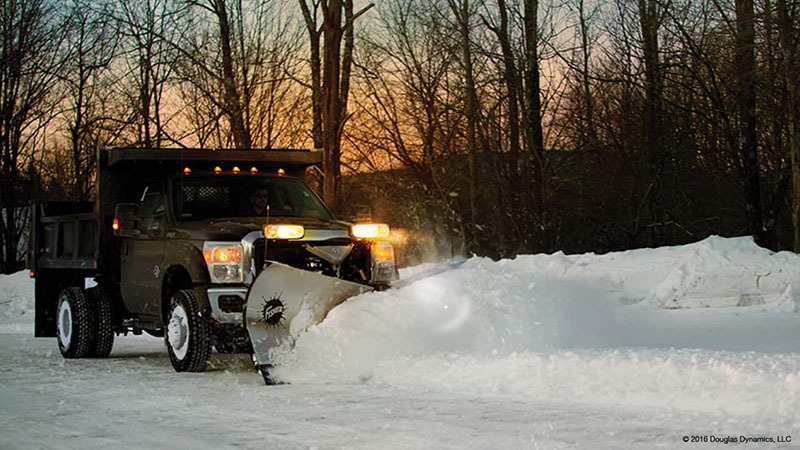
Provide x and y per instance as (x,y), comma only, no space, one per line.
(294,254)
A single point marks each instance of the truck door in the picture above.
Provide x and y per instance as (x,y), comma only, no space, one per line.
(142,256)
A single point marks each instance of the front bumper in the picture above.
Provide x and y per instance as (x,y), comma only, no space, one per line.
(227,304)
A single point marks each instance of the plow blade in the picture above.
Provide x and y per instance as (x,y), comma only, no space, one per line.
(284,302)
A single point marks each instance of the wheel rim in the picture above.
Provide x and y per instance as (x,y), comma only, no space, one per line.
(65,323)
(178,332)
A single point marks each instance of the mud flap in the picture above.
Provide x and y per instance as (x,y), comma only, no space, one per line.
(284,302)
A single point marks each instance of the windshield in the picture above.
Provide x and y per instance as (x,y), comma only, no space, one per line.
(198,198)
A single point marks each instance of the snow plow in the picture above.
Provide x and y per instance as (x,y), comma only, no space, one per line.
(283,302)
(223,249)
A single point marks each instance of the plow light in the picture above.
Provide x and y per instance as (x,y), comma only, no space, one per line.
(284,231)
(370,230)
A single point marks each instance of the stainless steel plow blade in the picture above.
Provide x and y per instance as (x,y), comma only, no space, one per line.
(284,302)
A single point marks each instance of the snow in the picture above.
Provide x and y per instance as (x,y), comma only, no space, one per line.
(633,349)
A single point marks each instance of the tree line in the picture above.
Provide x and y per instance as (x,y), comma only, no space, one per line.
(536,126)
(493,126)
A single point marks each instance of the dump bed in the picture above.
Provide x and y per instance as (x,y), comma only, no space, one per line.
(64,236)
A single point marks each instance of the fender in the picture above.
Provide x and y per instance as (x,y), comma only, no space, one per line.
(187,255)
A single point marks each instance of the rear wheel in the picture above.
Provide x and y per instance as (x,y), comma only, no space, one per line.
(75,323)
(104,314)
(187,335)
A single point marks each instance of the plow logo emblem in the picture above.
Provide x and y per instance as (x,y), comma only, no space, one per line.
(272,311)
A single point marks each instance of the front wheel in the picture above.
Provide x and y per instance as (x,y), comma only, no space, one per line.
(75,323)
(187,335)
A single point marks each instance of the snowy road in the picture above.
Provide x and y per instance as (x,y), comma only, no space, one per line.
(134,400)
(628,350)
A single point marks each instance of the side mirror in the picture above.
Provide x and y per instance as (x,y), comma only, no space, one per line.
(125,219)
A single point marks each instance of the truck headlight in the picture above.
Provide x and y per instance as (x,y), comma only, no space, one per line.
(224,261)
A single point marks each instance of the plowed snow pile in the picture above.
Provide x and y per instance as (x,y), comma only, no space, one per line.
(16,303)
(707,326)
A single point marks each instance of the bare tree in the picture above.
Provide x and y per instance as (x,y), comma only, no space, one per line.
(92,47)
(243,65)
(148,30)
(230,81)
(651,203)
(463,13)
(330,83)
(790,43)
(311,18)
(276,105)
(588,125)
(745,69)
(405,93)
(511,78)
(532,115)
(30,48)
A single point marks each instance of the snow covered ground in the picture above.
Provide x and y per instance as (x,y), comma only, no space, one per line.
(638,349)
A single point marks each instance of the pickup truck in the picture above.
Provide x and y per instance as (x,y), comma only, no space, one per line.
(174,242)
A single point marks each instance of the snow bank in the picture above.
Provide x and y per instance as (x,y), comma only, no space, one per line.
(16,303)
(532,327)
(715,272)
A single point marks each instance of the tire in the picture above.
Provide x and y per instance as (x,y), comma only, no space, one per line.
(188,335)
(75,323)
(104,326)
